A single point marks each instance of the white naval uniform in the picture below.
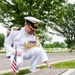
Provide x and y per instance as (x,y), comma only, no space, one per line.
(18,38)
(7,53)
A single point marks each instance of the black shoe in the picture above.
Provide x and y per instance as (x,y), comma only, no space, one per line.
(8,57)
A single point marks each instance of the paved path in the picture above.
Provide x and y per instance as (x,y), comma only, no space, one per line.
(53,57)
(69,72)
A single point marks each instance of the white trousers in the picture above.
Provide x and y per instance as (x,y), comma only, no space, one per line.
(34,54)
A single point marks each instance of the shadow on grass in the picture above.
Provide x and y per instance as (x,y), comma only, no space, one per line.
(22,72)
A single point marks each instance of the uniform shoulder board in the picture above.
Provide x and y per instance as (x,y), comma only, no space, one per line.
(37,38)
(16,29)
(35,34)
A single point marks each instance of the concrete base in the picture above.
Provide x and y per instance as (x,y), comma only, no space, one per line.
(49,72)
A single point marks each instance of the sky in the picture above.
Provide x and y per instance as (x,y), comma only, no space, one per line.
(55,37)
(71,1)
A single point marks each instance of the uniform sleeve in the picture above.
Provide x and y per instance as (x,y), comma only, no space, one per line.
(43,54)
(8,42)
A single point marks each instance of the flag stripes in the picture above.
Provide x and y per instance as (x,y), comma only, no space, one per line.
(14,64)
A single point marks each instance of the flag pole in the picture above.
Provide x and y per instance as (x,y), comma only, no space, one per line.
(14,62)
(16,57)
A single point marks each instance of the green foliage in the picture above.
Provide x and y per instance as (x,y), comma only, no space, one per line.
(68,42)
(55,45)
(70,29)
(65,26)
(1,40)
(13,13)
(58,44)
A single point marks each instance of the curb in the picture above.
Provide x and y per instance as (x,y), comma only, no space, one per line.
(68,72)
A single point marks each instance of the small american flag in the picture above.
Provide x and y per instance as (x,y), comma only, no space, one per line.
(14,64)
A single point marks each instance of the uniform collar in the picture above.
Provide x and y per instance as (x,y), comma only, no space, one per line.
(26,34)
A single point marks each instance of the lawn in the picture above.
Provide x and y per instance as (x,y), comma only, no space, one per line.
(2,52)
(67,64)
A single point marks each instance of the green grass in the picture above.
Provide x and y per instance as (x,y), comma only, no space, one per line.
(22,72)
(67,64)
(2,52)
(56,50)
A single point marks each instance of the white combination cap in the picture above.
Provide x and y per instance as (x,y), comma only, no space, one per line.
(33,19)
(32,22)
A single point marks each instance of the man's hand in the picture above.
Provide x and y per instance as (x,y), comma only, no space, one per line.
(51,67)
(18,53)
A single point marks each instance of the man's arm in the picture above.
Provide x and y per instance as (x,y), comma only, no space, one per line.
(8,42)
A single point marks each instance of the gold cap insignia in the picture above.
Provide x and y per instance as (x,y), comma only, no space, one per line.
(36,24)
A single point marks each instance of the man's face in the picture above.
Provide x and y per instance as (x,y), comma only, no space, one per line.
(8,32)
(30,31)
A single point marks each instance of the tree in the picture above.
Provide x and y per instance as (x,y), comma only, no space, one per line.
(55,45)
(66,25)
(13,12)
(1,40)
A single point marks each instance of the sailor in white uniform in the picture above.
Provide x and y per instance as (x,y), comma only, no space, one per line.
(27,43)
